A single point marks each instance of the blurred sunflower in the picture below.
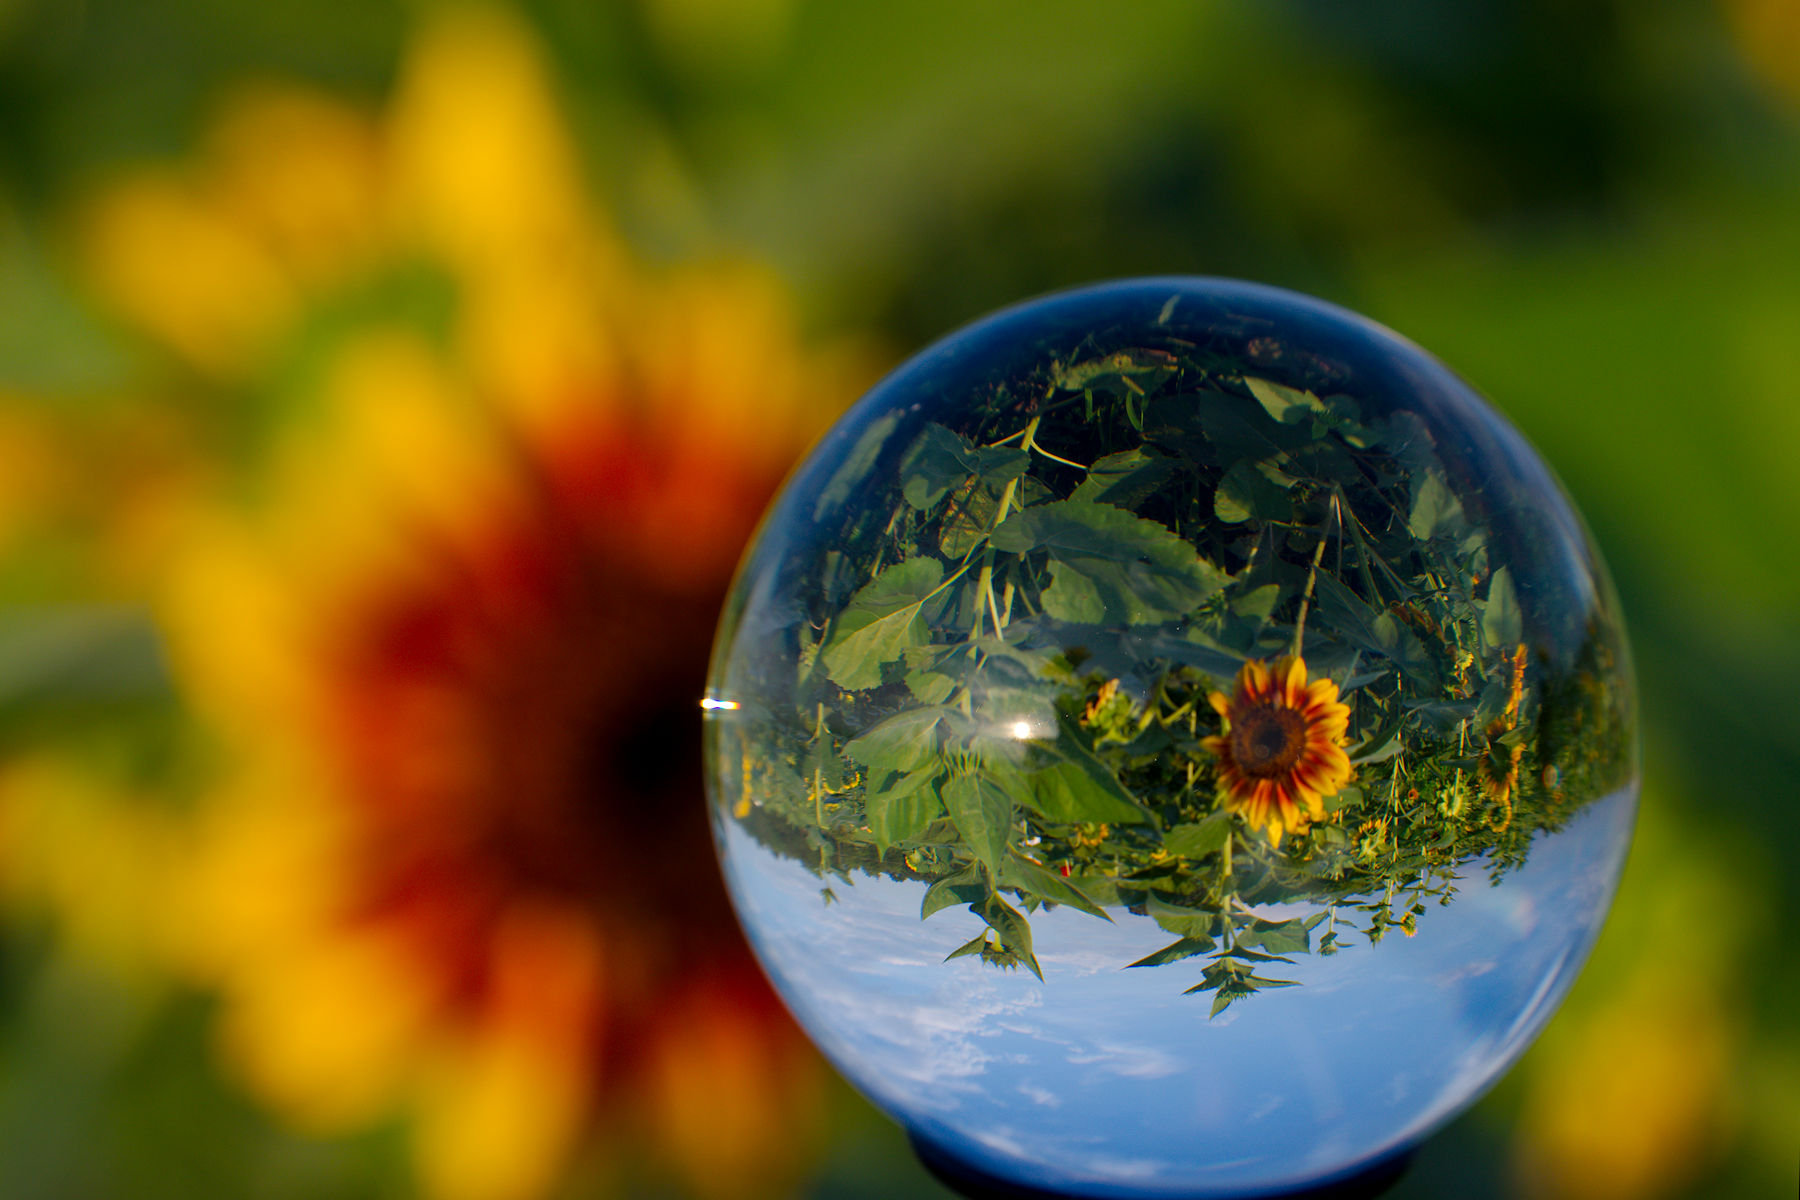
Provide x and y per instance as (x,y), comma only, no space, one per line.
(450,647)
(1281,749)
(1767,33)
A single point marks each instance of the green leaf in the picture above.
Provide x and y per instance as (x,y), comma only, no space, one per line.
(1246,491)
(1435,510)
(966,521)
(1090,592)
(1193,923)
(1132,370)
(964,887)
(1013,928)
(1277,937)
(1125,479)
(1408,653)
(982,813)
(1020,872)
(856,465)
(825,764)
(1082,788)
(1285,404)
(903,742)
(1187,947)
(1200,839)
(1377,632)
(974,945)
(1078,529)
(1109,565)
(941,459)
(1232,427)
(999,465)
(1070,745)
(1349,613)
(1073,597)
(881,621)
(1502,624)
(1257,603)
(1443,715)
(903,807)
(929,687)
(1381,746)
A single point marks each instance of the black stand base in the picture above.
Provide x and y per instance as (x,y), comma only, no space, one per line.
(976,1184)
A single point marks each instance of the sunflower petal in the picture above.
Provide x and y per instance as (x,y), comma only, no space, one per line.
(1252,682)
(1315,803)
(1290,675)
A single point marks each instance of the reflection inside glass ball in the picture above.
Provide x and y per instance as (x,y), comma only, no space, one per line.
(1106,690)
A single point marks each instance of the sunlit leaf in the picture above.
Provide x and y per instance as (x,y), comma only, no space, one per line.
(1284,403)
(940,459)
(974,945)
(1077,529)
(1013,928)
(1435,509)
(902,809)
(903,742)
(1188,922)
(1245,492)
(1018,871)
(982,813)
(1200,839)
(1125,479)
(880,622)
(1278,937)
(965,887)
(1187,947)
(1502,624)
(1082,787)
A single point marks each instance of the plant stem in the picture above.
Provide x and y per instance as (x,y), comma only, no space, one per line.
(818,780)
(1306,597)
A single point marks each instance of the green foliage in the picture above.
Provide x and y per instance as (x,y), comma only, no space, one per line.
(983,814)
(882,621)
(1027,716)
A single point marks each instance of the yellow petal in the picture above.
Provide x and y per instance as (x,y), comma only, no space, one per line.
(326,1029)
(1291,677)
(724,1098)
(301,171)
(164,255)
(496,1119)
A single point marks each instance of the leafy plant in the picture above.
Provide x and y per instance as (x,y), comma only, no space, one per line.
(1003,680)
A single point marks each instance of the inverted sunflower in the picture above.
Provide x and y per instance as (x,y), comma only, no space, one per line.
(456,867)
(1281,749)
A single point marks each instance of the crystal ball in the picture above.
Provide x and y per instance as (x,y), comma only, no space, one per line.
(1171,739)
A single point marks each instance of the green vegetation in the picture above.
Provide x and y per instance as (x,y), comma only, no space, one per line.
(1003,687)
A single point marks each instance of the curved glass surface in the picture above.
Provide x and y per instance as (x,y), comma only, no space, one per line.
(1172,739)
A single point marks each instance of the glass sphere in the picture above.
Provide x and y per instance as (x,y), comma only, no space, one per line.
(1172,739)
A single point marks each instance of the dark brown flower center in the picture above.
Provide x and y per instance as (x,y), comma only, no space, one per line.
(1266,741)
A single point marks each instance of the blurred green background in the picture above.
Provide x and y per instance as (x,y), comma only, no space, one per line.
(221,224)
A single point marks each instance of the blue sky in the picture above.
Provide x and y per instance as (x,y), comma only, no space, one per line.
(1114,1081)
